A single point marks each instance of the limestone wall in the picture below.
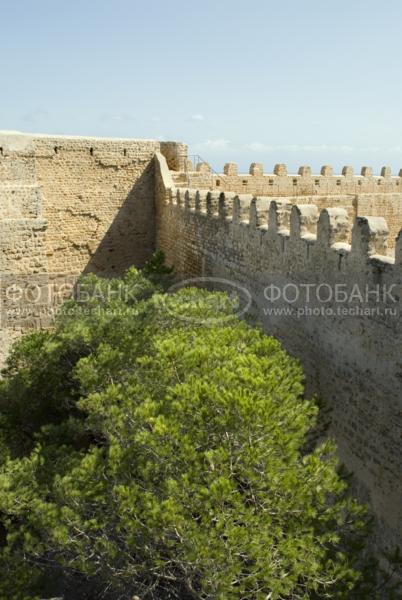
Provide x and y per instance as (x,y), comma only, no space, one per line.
(93,199)
(70,205)
(280,182)
(351,359)
(387,205)
(364,194)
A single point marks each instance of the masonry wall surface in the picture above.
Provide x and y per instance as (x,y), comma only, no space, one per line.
(363,194)
(70,205)
(352,360)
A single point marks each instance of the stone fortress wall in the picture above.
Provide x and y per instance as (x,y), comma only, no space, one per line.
(87,199)
(364,194)
(70,205)
(352,359)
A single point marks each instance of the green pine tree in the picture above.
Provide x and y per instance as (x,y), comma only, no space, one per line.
(146,453)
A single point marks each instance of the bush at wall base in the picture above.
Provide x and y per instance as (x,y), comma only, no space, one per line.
(143,454)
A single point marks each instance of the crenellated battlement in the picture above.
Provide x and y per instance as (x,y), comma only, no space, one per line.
(305,231)
(325,277)
(284,225)
(365,194)
(281,182)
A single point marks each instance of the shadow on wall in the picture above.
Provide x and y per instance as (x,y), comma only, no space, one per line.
(130,239)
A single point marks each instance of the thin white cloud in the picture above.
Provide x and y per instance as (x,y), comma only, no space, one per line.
(262,147)
(259,147)
(197,117)
(116,117)
(217,144)
(34,115)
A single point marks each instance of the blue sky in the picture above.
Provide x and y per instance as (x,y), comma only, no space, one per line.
(301,82)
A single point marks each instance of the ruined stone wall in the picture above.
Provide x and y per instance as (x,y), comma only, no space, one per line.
(364,194)
(351,359)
